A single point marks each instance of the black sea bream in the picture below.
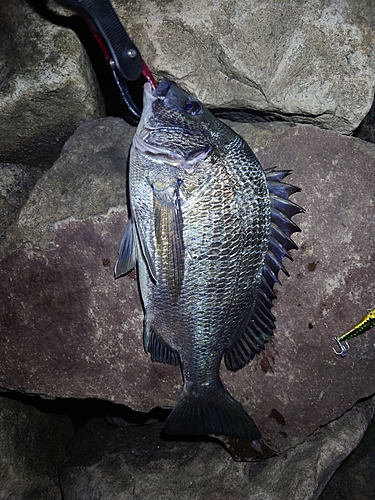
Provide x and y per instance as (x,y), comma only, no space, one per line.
(208,231)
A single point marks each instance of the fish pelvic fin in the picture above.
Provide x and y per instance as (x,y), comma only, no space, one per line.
(127,254)
(261,324)
(219,414)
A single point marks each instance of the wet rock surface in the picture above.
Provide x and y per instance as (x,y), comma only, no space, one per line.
(58,289)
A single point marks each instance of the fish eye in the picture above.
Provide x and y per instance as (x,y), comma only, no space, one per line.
(193,108)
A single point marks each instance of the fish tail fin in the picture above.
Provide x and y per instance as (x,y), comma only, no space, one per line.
(220,414)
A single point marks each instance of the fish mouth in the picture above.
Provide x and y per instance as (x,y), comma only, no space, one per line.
(163,88)
(149,97)
(146,126)
(147,113)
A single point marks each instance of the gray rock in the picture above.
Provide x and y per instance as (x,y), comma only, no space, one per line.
(310,61)
(32,446)
(78,333)
(106,463)
(355,478)
(47,86)
(303,471)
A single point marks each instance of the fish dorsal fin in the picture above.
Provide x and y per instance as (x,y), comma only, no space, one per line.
(262,322)
(127,254)
(157,347)
(169,235)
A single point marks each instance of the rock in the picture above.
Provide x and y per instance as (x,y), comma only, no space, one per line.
(355,478)
(32,445)
(47,86)
(75,332)
(110,463)
(310,62)
(303,472)
(16,182)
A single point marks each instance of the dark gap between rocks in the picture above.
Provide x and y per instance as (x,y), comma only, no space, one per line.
(81,411)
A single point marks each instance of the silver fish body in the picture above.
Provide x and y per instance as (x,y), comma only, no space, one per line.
(199,231)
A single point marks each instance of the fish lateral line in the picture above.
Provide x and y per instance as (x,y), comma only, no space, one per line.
(364,325)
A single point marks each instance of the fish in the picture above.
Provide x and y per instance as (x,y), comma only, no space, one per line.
(208,231)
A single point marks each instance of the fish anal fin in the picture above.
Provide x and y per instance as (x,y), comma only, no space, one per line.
(160,351)
(127,254)
(218,414)
(169,236)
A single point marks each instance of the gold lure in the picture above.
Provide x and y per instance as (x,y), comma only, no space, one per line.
(366,324)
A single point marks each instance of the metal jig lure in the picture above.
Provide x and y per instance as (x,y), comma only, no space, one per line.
(366,324)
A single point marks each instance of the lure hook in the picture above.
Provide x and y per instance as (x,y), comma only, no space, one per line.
(344,348)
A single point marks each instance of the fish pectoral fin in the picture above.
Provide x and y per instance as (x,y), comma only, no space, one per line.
(169,235)
(211,414)
(160,351)
(127,254)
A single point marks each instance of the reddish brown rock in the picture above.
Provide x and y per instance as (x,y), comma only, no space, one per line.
(69,330)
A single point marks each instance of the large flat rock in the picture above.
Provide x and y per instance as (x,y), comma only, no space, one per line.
(310,61)
(69,330)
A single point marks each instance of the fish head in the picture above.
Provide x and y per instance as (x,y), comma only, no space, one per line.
(175,127)
(169,105)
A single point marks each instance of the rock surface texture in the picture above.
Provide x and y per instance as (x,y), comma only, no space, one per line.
(47,86)
(311,61)
(69,330)
(355,477)
(107,464)
(32,446)
(57,287)
(16,182)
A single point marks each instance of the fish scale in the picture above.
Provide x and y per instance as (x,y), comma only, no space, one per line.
(208,231)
